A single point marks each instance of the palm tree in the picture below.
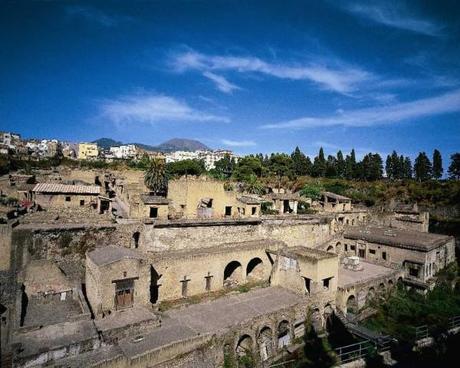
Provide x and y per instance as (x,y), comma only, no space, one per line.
(155,176)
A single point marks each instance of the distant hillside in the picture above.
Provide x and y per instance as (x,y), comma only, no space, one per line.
(175,144)
(180,144)
(107,142)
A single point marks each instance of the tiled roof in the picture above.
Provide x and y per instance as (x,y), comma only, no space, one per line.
(67,189)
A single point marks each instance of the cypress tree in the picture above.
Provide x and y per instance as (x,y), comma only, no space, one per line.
(422,167)
(341,165)
(437,164)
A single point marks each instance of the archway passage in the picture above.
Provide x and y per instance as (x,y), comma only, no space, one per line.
(154,285)
(338,247)
(284,337)
(244,352)
(233,273)
(136,237)
(352,305)
(370,295)
(255,269)
(330,249)
(265,342)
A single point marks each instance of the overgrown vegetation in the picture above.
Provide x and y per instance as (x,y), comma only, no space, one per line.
(405,310)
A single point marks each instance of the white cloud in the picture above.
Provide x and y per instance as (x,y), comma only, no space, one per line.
(232,143)
(393,15)
(390,114)
(221,83)
(154,109)
(342,79)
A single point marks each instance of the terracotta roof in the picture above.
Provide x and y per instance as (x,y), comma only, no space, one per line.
(153,199)
(106,255)
(67,189)
(408,239)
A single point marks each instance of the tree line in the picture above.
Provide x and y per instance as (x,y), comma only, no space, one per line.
(370,168)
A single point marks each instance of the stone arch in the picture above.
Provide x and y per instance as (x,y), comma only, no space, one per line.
(362,296)
(382,288)
(352,305)
(265,342)
(390,283)
(370,295)
(338,247)
(328,311)
(283,333)
(136,237)
(233,273)
(243,350)
(330,249)
(255,269)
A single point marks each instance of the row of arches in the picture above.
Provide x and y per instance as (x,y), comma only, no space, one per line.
(366,296)
(234,272)
(266,344)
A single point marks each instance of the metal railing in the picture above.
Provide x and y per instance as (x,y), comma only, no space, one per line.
(421,332)
(454,322)
(355,351)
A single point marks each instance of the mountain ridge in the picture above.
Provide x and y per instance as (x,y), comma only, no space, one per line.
(171,145)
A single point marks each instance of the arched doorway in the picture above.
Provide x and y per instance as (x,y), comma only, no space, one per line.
(136,237)
(255,269)
(352,305)
(244,352)
(284,337)
(338,247)
(265,342)
(370,295)
(330,249)
(233,273)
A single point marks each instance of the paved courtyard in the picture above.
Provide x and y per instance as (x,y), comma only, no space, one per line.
(370,271)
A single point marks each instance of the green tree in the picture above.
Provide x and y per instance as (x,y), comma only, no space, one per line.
(185,167)
(422,167)
(319,164)
(223,168)
(350,165)
(155,177)
(280,165)
(454,167)
(407,168)
(301,164)
(247,166)
(331,167)
(341,165)
(312,191)
(371,167)
(437,164)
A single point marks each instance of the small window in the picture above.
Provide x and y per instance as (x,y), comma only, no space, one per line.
(346,247)
(82,202)
(384,256)
(254,210)
(414,271)
(372,251)
(327,283)
(228,210)
(67,199)
(153,212)
(307,285)
(352,247)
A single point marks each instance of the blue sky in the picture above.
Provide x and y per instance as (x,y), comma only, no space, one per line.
(252,76)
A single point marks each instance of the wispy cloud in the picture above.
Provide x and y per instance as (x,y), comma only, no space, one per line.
(395,15)
(232,143)
(221,83)
(95,15)
(154,109)
(390,114)
(339,78)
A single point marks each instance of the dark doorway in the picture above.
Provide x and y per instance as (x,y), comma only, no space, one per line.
(136,237)
(124,294)
(153,212)
(228,210)
(362,253)
(286,208)
(154,285)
